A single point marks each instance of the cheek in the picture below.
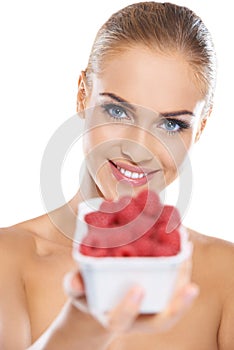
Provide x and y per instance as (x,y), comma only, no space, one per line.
(98,132)
(94,138)
(99,144)
(172,150)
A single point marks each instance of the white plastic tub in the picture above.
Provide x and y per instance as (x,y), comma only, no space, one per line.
(108,279)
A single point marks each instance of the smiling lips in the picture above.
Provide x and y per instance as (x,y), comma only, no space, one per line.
(136,175)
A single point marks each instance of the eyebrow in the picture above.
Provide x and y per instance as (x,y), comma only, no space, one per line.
(130,106)
(119,99)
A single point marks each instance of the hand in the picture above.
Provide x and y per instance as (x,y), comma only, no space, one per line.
(125,316)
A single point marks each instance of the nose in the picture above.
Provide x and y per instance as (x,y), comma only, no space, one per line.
(136,146)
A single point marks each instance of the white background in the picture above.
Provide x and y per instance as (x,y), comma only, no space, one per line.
(44,44)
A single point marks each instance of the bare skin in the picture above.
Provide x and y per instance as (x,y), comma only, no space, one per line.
(36,270)
(35,255)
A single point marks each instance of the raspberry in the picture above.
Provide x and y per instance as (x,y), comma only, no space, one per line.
(85,250)
(93,240)
(100,219)
(163,250)
(118,236)
(144,247)
(125,250)
(92,245)
(172,239)
(149,202)
(99,252)
(170,216)
(129,210)
(142,226)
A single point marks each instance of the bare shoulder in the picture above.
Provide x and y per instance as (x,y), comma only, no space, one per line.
(214,267)
(213,254)
(214,250)
(15,247)
(15,242)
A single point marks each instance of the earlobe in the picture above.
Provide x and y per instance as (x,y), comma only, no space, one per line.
(81,95)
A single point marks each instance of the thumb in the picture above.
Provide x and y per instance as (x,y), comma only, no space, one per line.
(124,314)
(73,284)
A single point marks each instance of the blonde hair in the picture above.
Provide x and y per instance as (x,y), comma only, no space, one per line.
(163,27)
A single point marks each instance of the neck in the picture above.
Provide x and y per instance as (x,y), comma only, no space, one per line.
(64,218)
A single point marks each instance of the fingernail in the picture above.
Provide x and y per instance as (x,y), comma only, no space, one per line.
(71,286)
(137,295)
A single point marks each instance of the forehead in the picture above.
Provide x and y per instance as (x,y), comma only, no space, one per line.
(159,82)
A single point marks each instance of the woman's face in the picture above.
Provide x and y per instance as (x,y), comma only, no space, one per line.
(141,118)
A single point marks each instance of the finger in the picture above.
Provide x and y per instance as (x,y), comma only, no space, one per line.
(181,301)
(124,314)
(74,288)
(178,306)
(73,284)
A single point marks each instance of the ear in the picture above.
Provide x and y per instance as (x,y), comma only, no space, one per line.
(202,124)
(81,94)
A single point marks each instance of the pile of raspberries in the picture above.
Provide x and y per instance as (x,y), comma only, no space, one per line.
(138,226)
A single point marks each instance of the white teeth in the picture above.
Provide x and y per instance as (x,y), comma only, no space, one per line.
(132,175)
(127,173)
(135,175)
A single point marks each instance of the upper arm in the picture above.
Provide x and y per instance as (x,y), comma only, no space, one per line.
(226,329)
(14,319)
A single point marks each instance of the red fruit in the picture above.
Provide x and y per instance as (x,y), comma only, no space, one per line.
(85,250)
(127,227)
(125,250)
(118,236)
(144,247)
(129,210)
(170,216)
(100,252)
(149,202)
(92,245)
(163,250)
(172,239)
(142,227)
(100,219)
(93,240)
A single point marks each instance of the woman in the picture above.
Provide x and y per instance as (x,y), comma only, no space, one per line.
(145,98)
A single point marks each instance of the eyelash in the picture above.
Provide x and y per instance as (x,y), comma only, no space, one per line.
(183,125)
(108,106)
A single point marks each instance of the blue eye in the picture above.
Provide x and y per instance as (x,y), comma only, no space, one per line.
(115,111)
(173,126)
